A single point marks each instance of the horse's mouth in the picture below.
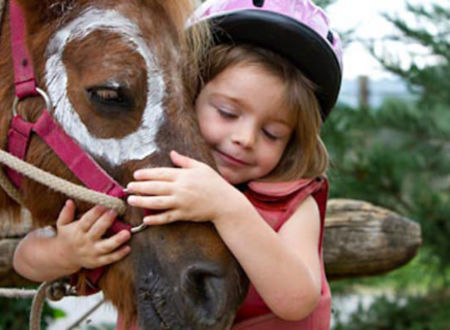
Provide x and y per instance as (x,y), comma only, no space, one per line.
(152,314)
(154,310)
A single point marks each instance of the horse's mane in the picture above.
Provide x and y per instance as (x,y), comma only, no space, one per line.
(195,42)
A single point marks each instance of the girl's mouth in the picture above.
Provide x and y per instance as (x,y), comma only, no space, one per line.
(230,159)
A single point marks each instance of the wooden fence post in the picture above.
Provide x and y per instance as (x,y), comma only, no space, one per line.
(360,239)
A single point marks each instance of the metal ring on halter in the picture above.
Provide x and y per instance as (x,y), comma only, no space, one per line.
(43,94)
(139,228)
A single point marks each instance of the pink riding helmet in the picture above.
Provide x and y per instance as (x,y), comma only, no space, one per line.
(296,29)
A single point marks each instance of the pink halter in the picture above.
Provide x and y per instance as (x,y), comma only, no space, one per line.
(19,134)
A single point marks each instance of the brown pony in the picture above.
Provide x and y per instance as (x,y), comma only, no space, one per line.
(114,71)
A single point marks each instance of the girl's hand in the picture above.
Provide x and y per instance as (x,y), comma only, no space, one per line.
(81,241)
(194,192)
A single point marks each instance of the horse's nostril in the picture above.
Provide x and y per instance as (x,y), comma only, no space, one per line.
(204,287)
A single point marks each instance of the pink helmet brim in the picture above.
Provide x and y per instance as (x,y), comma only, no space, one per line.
(297,42)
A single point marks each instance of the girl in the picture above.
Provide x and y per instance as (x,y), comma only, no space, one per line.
(272,78)
(261,117)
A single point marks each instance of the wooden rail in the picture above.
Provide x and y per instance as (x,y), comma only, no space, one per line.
(360,239)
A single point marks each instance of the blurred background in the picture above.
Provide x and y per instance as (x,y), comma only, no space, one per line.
(389,141)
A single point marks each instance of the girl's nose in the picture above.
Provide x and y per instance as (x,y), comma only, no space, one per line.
(244,136)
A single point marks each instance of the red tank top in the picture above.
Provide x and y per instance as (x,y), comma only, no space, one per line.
(276,202)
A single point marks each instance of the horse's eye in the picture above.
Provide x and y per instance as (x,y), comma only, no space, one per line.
(109,99)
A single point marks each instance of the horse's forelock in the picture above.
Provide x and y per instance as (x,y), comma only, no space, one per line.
(178,11)
(192,40)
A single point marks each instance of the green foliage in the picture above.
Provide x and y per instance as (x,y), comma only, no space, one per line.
(15,314)
(398,156)
(324,3)
(100,327)
(429,312)
(432,33)
(422,274)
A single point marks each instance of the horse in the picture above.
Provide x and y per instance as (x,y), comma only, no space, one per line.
(119,74)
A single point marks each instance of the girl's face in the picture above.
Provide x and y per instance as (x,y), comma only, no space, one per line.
(242,117)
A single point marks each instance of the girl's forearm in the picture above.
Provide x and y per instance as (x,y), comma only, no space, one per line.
(280,276)
(39,257)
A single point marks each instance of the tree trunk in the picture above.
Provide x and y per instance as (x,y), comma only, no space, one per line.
(360,239)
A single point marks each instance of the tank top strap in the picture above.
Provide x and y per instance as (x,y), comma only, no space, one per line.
(321,197)
(276,202)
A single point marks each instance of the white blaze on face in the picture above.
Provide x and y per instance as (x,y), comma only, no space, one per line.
(137,144)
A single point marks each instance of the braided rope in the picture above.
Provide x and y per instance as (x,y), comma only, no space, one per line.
(53,290)
(9,188)
(37,306)
(69,189)
(66,187)
(17,293)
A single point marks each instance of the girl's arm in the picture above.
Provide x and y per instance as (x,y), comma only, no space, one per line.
(45,255)
(284,267)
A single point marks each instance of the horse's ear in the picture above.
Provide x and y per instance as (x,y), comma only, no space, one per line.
(42,11)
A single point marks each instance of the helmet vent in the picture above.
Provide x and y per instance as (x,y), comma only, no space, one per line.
(330,37)
(258,3)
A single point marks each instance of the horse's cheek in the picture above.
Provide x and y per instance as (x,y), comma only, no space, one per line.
(118,286)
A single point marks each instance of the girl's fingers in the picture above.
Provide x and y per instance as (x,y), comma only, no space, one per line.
(157,173)
(163,218)
(102,223)
(150,188)
(90,217)
(152,202)
(108,245)
(114,256)
(67,214)
(183,161)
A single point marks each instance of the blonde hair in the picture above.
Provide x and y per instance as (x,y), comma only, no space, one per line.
(305,155)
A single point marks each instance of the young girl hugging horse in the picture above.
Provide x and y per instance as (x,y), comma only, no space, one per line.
(270,80)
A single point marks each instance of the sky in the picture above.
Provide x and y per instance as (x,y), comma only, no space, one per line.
(365,17)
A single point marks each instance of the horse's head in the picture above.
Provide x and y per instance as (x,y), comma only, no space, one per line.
(114,71)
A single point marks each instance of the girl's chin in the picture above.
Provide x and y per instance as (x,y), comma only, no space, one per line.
(234,180)
(231,177)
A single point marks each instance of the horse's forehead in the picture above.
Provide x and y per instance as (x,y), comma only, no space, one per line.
(92,19)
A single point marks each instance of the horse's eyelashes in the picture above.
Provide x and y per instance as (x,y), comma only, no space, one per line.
(109,94)
(110,99)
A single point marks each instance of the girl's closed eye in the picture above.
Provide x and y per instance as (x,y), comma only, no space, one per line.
(276,131)
(270,136)
(226,113)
